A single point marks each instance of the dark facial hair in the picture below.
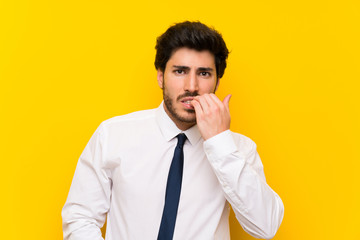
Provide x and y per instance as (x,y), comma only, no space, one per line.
(169,105)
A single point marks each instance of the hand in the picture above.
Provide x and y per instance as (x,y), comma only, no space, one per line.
(212,115)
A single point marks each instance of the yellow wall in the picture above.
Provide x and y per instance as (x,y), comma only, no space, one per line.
(294,72)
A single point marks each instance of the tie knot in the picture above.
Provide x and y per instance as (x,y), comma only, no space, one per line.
(181,140)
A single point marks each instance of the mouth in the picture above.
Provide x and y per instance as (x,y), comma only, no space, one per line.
(186,102)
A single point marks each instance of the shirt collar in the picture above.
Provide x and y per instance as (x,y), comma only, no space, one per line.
(169,130)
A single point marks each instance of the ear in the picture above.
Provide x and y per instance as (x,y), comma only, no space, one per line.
(160,78)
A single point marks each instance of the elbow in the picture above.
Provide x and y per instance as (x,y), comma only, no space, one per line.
(267,232)
(66,223)
(262,233)
(268,235)
(275,223)
(268,226)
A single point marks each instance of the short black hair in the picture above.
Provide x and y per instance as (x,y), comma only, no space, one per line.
(193,35)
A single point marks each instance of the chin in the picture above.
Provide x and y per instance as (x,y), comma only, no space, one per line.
(184,115)
(187,116)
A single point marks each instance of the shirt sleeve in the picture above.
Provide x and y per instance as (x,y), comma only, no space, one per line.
(239,170)
(84,212)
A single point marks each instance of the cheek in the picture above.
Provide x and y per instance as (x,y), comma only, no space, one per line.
(173,89)
(207,87)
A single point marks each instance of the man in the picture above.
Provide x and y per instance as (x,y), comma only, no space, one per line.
(130,173)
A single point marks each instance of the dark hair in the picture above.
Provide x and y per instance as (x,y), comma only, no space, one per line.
(193,35)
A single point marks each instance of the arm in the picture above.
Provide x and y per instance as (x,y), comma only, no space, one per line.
(88,201)
(238,168)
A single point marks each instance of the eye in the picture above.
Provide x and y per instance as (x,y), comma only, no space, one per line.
(205,74)
(179,71)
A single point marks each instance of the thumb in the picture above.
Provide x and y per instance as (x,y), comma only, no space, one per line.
(226,100)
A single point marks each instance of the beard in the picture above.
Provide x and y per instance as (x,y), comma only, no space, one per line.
(186,118)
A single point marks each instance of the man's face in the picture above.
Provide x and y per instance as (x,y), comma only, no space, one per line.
(188,73)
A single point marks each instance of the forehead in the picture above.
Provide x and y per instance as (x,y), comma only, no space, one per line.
(191,58)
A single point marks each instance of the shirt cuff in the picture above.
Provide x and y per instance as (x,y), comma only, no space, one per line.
(220,145)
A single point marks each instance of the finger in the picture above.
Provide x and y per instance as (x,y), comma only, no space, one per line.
(217,105)
(209,101)
(226,100)
(197,107)
(216,100)
(202,100)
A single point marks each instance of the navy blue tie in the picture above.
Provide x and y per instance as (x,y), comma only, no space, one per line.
(173,189)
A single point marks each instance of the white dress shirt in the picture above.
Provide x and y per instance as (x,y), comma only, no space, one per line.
(122,175)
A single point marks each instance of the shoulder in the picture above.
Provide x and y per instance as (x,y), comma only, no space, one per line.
(229,142)
(243,142)
(242,138)
(138,116)
(130,120)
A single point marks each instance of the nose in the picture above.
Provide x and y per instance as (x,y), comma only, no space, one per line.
(191,83)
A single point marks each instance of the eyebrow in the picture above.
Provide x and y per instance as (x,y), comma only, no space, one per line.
(181,67)
(205,69)
(199,69)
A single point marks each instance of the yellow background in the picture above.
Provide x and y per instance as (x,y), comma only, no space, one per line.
(294,72)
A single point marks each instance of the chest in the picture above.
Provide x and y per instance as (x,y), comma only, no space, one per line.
(143,165)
